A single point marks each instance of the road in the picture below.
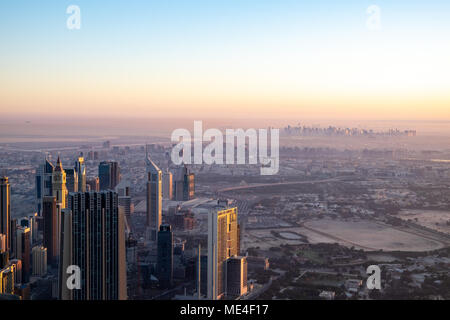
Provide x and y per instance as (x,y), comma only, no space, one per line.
(258,185)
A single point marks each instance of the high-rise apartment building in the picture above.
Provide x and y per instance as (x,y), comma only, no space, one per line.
(59,190)
(49,213)
(71,180)
(236,277)
(108,174)
(18,271)
(125,201)
(183,184)
(4,259)
(12,238)
(23,252)
(154,197)
(104,175)
(164,266)
(93,238)
(3,242)
(39,260)
(44,175)
(93,184)
(7,280)
(80,168)
(5,210)
(222,245)
(30,222)
(167,185)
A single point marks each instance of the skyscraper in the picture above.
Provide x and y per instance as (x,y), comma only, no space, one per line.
(115,174)
(184,184)
(43,183)
(30,222)
(3,242)
(7,280)
(202,285)
(93,238)
(18,271)
(154,197)
(59,190)
(23,243)
(39,260)
(80,168)
(236,279)
(5,210)
(222,244)
(188,186)
(93,183)
(164,266)
(71,180)
(125,200)
(12,238)
(167,185)
(109,175)
(4,259)
(104,175)
(49,213)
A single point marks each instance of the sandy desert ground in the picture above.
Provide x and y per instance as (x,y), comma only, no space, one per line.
(433,219)
(363,234)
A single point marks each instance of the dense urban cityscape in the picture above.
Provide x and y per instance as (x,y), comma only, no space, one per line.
(196,159)
(140,227)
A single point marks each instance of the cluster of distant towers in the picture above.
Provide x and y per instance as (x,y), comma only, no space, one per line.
(83,225)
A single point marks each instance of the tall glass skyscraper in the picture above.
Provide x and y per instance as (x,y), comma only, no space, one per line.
(222,244)
(50,229)
(109,175)
(80,168)
(5,211)
(183,184)
(59,190)
(154,197)
(43,183)
(23,250)
(164,266)
(71,180)
(93,238)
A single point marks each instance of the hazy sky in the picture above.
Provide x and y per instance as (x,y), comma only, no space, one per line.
(233,58)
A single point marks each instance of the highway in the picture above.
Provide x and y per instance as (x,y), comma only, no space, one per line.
(258,185)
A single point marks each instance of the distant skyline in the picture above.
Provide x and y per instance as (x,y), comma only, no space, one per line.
(234,59)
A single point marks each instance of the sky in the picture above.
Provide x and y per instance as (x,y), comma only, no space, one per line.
(281,59)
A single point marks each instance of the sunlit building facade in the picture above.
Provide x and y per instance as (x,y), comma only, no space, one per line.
(39,260)
(5,211)
(236,278)
(222,244)
(154,197)
(80,168)
(59,190)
